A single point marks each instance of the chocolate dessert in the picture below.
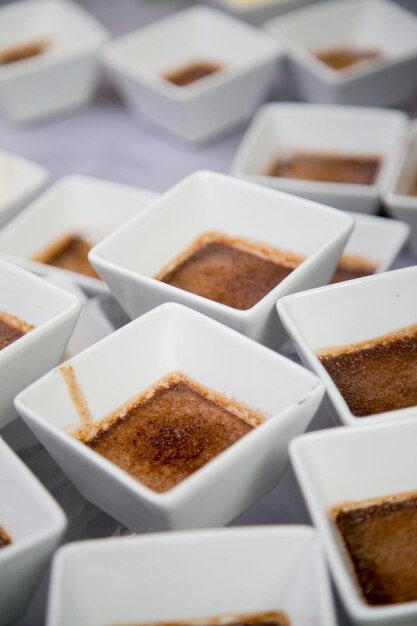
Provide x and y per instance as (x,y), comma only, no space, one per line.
(23,51)
(327,168)
(170,431)
(190,73)
(381,541)
(232,271)
(342,58)
(11,329)
(378,375)
(270,618)
(70,253)
(352,267)
(413,188)
(4,538)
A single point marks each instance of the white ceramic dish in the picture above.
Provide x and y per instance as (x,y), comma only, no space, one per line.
(396,200)
(65,75)
(35,523)
(52,312)
(20,181)
(138,355)
(258,11)
(89,207)
(377,240)
(183,576)
(208,107)
(129,258)
(280,129)
(348,313)
(348,465)
(358,24)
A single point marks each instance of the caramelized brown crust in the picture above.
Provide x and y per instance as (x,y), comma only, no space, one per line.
(378,375)
(328,168)
(233,271)
(190,73)
(380,538)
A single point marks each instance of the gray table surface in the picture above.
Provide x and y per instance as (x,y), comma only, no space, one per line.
(105,141)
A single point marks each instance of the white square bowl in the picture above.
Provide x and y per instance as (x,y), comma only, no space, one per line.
(135,357)
(35,524)
(348,465)
(287,128)
(377,240)
(129,258)
(76,204)
(396,200)
(187,576)
(348,313)
(52,312)
(369,24)
(65,75)
(208,107)
(258,11)
(20,181)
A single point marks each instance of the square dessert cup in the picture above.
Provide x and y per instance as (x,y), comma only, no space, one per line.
(349,313)
(343,465)
(35,524)
(65,75)
(188,576)
(359,24)
(79,205)
(20,181)
(129,258)
(281,129)
(136,356)
(397,200)
(376,240)
(211,106)
(52,312)
(258,11)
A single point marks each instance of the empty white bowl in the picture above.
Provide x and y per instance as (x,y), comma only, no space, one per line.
(129,258)
(355,24)
(212,105)
(258,11)
(65,75)
(281,129)
(348,465)
(397,200)
(135,357)
(52,312)
(20,181)
(35,524)
(187,576)
(348,313)
(79,205)
(377,240)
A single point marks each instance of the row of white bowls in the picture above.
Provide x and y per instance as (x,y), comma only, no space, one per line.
(165,339)
(276,129)
(66,76)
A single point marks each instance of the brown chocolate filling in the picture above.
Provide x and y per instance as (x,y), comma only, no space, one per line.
(351,267)
(231,271)
(341,58)
(380,538)
(4,538)
(170,432)
(11,329)
(192,72)
(330,168)
(270,618)
(23,51)
(70,253)
(378,375)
